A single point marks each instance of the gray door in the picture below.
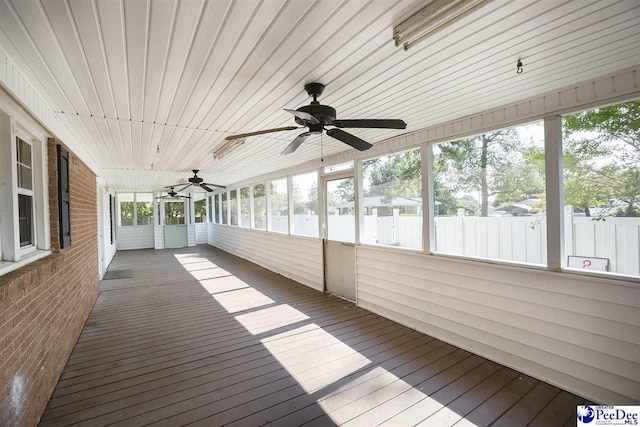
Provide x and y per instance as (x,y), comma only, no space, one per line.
(340,237)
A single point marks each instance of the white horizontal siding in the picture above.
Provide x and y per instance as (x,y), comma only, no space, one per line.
(158,232)
(191,235)
(297,258)
(140,237)
(210,231)
(582,334)
(201,233)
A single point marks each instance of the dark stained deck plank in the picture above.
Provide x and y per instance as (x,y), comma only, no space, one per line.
(200,336)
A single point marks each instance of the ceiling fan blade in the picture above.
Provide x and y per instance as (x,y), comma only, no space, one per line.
(260,132)
(204,187)
(175,185)
(374,124)
(184,188)
(296,143)
(347,138)
(162,197)
(303,116)
(213,185)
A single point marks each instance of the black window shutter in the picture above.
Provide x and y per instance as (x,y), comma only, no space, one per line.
(64,206)
(111,227)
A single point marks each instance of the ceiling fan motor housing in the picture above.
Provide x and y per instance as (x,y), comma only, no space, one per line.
(324,113)
(195,179)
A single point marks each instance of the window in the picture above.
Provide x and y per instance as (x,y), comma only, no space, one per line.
(127,204)
(200,207)
(279,206)
(216,209)
(233,205)
(341,217)
(144,208)
(392,205)
(211,218)
(601,161)
(225,208)
(245,214)
(259,207)
(174,213)
(135,209)
(489,195)
(26,208)
(305,205)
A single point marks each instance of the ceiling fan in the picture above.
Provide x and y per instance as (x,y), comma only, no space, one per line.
(316,116)
(196,181)
(172,194)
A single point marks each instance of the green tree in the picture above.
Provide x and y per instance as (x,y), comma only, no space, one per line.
(602,157)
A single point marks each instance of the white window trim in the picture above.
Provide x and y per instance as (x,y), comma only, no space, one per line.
(14,125)
(135,209)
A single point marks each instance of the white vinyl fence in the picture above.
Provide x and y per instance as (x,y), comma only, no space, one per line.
(520,239)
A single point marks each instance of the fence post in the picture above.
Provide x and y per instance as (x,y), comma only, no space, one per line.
(568,230)
(374,214)
(396,219)
(460,240)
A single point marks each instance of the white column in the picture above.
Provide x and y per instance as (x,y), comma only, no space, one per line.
(267,190)
(252,221)
(358,188)
(290,203)
(428,199)
(554,193)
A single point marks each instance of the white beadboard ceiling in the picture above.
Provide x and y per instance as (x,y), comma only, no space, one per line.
(162,82)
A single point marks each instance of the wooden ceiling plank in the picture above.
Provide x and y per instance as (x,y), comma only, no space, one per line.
(162,24)
(187,22)
(232,33)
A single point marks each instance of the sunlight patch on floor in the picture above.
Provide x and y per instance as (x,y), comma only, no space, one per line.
(198,266)
(222,284)
(242,299)
(209,273)
(308,372)
(268,319)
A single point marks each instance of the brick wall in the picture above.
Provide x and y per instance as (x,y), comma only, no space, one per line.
(44,305)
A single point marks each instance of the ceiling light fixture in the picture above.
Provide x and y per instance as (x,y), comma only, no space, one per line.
(434,17)
(227,148)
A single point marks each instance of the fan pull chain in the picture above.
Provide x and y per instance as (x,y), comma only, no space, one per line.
(321,149)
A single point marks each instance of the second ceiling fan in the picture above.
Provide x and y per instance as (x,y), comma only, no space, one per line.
(316,116)
(195,181)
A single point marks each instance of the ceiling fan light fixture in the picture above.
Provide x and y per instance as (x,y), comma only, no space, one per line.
(227,148)
(434,17)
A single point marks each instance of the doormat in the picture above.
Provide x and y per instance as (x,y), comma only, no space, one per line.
(118,274)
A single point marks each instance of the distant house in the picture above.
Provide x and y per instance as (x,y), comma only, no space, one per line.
(523,207)
(406,206)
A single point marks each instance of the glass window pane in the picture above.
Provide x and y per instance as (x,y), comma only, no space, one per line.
(24,177)
(25,219)
(211,218)
(216,209)
(225,209)
(279,206)
(200,207)
(259,207)
(24,152)
(305,205)
(126,209)
(601,160)
(245,215)
(341,218)
(489,195)
(392,206)
(233,204)
(144,208)
(174,213)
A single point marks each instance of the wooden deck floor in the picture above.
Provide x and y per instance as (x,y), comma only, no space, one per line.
(199,336)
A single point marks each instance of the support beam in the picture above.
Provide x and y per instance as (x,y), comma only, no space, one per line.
(554,193)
